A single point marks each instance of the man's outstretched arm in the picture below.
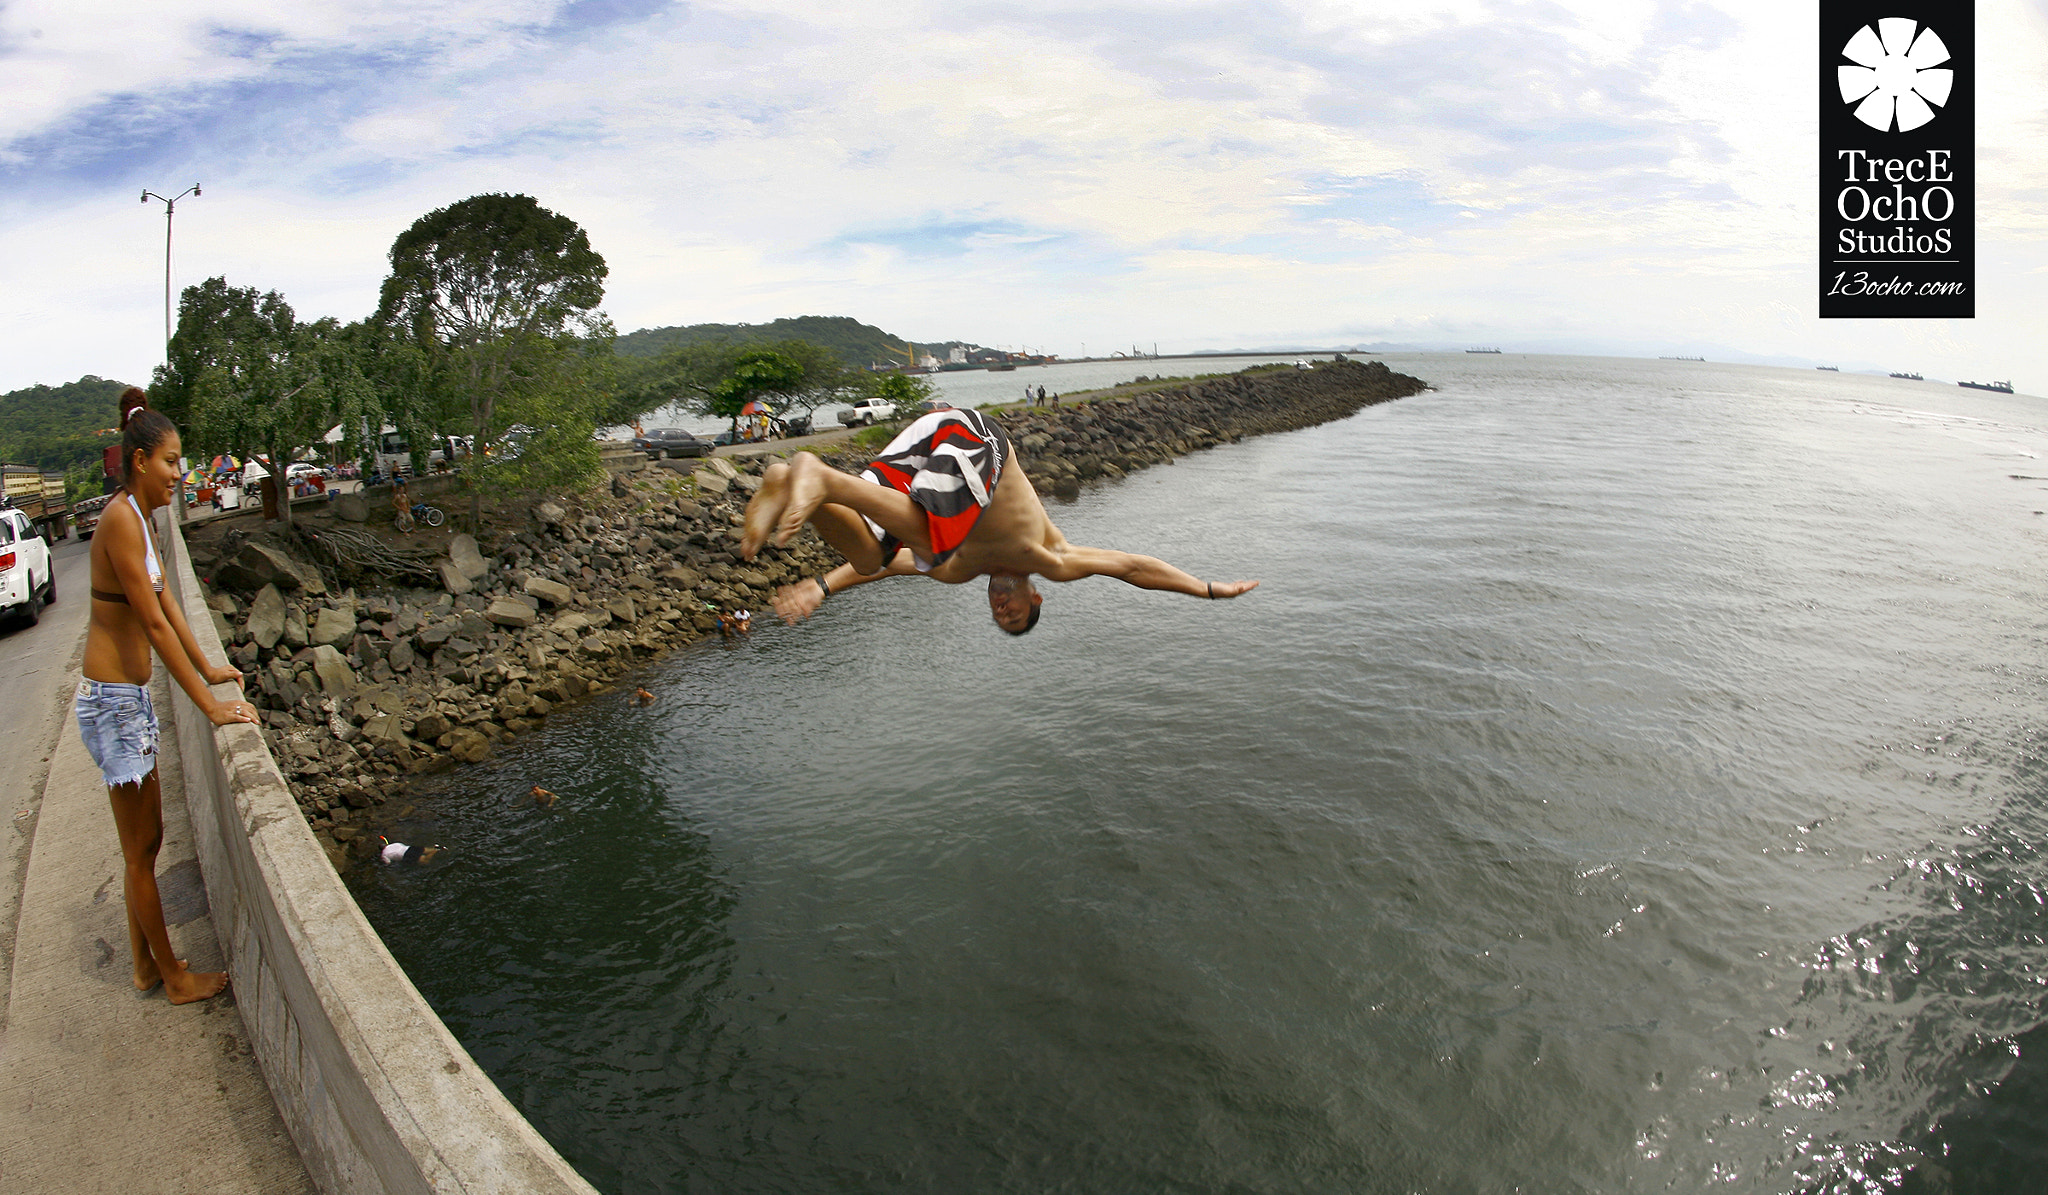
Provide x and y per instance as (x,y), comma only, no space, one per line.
(1145,572)
(799,601)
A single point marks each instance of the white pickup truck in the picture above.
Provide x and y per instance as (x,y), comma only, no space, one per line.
(867,411)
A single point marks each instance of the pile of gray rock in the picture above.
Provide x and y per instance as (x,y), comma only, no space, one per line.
(360,691)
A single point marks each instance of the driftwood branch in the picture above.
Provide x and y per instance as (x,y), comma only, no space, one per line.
(357,554)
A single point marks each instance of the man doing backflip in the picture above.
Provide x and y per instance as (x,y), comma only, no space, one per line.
(947,499)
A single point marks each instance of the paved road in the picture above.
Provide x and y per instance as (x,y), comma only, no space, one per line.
(103,1089)
(36,667)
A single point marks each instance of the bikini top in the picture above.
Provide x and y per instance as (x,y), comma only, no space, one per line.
(156,572)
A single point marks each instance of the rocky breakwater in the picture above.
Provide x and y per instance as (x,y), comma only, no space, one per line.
(362,688)
(364,685)
(1115,432)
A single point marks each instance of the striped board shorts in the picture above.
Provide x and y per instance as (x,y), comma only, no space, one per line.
(947,462)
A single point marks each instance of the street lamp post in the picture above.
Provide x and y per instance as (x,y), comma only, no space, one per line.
(170,209)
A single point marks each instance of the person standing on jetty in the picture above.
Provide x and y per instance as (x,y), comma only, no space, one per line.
(129,617)
(946,489)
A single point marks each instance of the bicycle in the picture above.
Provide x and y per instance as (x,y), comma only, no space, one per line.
(420,513)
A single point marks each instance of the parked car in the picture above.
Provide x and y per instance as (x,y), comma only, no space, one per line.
(867,411)
(658,442)
(728,436)
(303,471)
(28,577)
(933,404)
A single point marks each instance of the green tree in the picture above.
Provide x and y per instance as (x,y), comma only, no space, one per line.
(906,390)
(498,298)
(796,376)
(245,376)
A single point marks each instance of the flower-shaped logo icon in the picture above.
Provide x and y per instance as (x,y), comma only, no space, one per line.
(1896,75)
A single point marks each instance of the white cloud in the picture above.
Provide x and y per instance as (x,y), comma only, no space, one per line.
(1202,174)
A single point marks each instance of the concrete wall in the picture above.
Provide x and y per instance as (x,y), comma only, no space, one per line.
(377,1094)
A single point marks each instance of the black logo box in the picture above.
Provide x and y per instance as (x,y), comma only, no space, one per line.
(1896,268)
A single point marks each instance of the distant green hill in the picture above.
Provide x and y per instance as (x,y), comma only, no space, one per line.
(57,426)
(856,343)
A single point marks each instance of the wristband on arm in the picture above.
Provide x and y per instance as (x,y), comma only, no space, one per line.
(824,589)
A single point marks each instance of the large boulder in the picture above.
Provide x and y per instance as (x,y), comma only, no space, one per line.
(510,612)
(554,593)
(468,745)
(384,730)
(350,508)
(463,554)
(712,483)
(336,628)
(256,565)
(266,617)
(454,579)
(337,679)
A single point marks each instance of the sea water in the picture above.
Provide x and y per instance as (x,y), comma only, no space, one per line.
(1629,775)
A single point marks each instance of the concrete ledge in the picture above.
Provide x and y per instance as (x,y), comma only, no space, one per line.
(376,1093)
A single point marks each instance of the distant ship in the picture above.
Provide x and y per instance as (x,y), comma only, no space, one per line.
(1681,358)
(2000,387)
(1910,377)
(1482,350)
(1830,368)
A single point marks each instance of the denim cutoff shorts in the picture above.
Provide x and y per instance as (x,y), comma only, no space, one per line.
(118,724)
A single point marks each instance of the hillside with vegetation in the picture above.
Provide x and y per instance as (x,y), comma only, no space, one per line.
(58,427)
(856,344)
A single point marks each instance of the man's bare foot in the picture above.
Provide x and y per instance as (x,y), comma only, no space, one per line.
(185,987)
(806,495)
(146,974)
(1230,589)
(764,509)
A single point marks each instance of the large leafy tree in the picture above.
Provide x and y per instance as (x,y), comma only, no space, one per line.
(905,390)
(245,376)
(497,298)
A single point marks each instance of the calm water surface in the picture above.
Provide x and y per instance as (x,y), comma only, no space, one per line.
(1629,776)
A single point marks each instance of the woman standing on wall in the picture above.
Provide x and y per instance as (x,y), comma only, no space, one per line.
(130,616)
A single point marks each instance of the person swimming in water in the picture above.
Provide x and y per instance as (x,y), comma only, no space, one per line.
(395,853)
(948,490)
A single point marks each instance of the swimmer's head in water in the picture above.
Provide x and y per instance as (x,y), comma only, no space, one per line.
(1013,602)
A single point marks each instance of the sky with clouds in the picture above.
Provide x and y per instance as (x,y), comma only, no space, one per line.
(1580,175)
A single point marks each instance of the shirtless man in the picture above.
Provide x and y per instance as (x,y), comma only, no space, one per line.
(946,499)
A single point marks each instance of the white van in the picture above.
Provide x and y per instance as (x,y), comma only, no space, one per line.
(394,454)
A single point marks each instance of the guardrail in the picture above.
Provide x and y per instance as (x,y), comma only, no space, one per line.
(377,1094)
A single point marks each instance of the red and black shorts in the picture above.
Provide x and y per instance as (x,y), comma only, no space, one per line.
(949,463)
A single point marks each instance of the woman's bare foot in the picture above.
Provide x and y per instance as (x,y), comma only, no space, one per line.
(764,509)
(185,987)
(1231,589)
(146,974)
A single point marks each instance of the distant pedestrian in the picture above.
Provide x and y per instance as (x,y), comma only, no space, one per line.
(1041,394)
